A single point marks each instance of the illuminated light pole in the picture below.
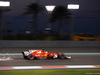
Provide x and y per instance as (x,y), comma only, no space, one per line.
(28,32)
(72,7)
(3,4)
(49,8)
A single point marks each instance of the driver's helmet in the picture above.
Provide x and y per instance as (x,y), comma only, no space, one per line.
(46,51)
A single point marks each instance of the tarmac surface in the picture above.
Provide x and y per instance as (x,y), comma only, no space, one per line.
(62,50)
(18,60)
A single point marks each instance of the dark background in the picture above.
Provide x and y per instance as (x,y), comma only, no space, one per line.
(86,19)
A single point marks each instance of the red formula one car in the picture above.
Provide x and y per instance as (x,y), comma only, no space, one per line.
(34,54)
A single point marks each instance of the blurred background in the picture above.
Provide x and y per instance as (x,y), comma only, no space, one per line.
(50,20)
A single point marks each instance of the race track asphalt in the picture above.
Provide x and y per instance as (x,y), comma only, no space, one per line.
(18,60)
(62,50)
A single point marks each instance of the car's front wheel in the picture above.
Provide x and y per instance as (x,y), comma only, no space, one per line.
(30,57)
(62,56)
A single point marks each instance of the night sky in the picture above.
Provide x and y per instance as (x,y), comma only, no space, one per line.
(86,19)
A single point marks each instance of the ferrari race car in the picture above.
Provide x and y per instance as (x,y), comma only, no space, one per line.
(35,54)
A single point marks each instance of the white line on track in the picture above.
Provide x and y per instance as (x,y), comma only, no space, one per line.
(49,67)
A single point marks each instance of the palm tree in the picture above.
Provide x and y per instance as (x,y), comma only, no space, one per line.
(60,14)
(34,9)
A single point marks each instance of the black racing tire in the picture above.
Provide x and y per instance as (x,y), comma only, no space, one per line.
(31,57)
(62,56)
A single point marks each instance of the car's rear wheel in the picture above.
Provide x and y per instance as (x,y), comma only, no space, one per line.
(30,57)
(62,56)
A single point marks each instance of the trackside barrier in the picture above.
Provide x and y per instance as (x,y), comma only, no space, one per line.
(15,43)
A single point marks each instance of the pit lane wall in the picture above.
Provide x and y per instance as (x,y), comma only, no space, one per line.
(13,43)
